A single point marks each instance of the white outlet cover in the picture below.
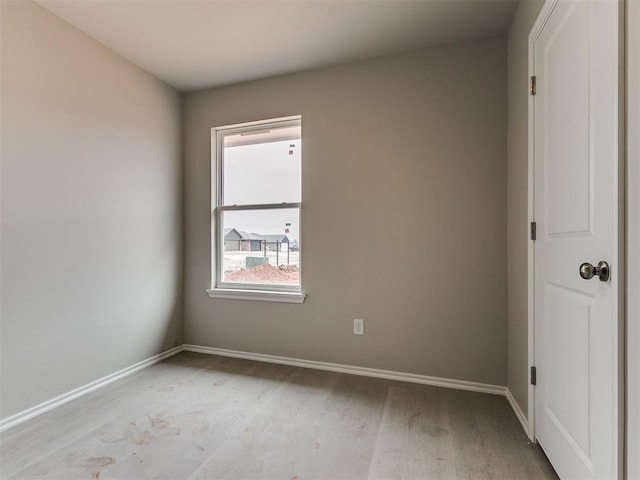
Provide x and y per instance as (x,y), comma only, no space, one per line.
(358,326)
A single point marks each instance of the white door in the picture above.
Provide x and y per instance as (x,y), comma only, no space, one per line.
(576,168)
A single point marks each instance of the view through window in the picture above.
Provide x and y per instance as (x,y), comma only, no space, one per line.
(257,205)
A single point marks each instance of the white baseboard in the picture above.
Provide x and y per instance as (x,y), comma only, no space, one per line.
(32,412)
(372,372)
(44,407)
(518,411)
(362,371)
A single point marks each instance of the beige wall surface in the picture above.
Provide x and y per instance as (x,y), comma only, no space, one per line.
(404,215)
(90,184)
(517,198)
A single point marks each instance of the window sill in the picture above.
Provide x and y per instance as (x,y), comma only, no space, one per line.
(258,295)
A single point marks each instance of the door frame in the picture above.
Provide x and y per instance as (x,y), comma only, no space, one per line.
(633,238)
(619,250)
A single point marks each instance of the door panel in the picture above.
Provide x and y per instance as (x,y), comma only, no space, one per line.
(566,132)
(568,318)
(575,135)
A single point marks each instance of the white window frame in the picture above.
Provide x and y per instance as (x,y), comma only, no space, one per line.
(235,290)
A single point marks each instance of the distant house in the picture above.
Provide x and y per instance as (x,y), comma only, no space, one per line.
(231,239)
(276,242)
(238,240)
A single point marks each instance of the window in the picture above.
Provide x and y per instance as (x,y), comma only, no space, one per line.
(256,202)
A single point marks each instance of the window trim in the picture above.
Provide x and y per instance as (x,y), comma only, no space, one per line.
(259,295)
(235,290)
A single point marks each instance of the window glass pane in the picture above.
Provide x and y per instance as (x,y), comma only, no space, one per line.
(262,166)
(261,246)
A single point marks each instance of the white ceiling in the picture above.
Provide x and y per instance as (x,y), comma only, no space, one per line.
(198,44)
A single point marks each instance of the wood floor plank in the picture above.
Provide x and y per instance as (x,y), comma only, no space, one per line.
(303,421)
(187,420)
(413,439)
(28,443)
(205,417)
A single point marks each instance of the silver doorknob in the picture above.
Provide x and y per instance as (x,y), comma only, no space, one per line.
(588,271)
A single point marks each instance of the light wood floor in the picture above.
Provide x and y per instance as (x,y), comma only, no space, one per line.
(203,417)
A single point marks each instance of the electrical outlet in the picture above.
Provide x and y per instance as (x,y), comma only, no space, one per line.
(358,326)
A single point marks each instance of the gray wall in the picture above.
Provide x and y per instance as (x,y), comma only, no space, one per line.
(517,198)
(90,182)
(410,146)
